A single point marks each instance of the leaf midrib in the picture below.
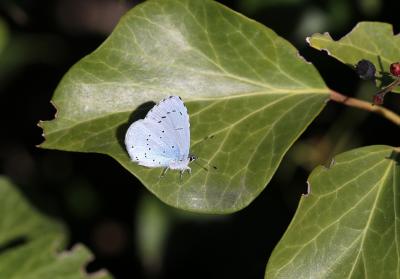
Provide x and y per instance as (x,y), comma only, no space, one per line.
(308,242)
(371,216)
(229,128)
(316,91)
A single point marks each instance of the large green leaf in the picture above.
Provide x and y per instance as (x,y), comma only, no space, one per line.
(349,226)
(373,41)
(241,82)
(30,243)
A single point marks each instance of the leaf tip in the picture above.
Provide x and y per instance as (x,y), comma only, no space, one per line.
(305,195)
(330,164)
(86,257)
(308,40)
(314,36)
(55,107)
(42,123)
(302,58)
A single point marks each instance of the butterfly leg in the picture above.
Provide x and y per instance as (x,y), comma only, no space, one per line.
(182,172)
(164,172)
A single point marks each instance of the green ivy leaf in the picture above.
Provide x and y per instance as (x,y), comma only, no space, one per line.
(30,243)
(241,82)
(348,227)
(373,41)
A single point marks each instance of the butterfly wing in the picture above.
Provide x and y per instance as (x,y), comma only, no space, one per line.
(149,146)
(172,115)
(162,137)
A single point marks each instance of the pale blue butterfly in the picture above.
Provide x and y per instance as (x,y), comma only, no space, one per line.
(162,138)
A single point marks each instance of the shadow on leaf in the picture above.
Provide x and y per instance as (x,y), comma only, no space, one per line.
(16,242)
(386,78)
(137,114)
(395,156)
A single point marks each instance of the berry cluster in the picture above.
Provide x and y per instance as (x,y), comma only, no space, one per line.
(366,70)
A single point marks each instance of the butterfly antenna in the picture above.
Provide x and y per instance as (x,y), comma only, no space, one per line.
(203,167)
(195,158)
(205,138)
(214,167)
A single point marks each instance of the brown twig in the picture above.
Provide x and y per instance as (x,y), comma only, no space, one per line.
(390,87)
(352,102)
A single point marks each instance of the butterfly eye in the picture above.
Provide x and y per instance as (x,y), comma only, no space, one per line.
(192,157)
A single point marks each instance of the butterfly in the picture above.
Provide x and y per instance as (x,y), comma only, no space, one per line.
(162,138)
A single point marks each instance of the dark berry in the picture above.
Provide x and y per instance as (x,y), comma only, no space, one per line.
(378,98)
(365,69)
(395,69)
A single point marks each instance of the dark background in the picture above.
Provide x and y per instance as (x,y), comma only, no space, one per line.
(131,233)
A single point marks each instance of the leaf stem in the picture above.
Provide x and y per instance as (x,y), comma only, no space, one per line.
(352,102)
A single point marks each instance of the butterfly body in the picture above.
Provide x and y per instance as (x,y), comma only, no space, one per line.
(162,138)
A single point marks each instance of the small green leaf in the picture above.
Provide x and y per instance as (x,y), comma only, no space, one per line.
(373,41)
(30,243)
(241,82)
(348,227)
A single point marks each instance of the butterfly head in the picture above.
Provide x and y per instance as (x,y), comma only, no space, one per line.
(192,157)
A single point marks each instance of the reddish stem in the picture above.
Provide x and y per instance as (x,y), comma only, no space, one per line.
(352,102)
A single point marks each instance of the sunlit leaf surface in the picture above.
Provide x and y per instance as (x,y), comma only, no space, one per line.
(30,243)
(373,41)
(349,226)
(242,84)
